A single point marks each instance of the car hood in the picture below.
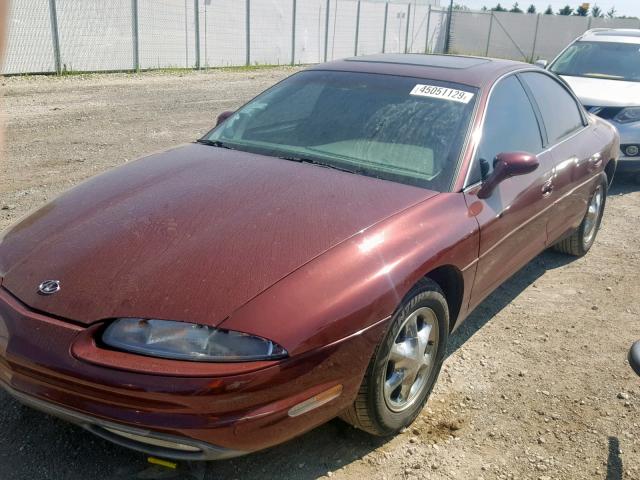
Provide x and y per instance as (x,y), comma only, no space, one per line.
(599,92)
(190,234)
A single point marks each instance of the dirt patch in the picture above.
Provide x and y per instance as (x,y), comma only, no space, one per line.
(536,383)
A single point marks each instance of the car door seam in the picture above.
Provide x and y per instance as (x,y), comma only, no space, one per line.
(529,220)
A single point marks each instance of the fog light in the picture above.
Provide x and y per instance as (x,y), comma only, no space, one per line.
(316,401)
(631,150)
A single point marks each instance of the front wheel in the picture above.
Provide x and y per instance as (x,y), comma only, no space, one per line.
(406,364)
(580,241)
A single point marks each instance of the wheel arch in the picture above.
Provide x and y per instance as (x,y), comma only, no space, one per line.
(451,281)
(610,170)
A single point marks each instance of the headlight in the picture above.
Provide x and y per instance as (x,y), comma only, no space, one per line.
(188,341)
(628,115)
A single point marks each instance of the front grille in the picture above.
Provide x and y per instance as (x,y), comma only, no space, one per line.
(630,149)
(604,112)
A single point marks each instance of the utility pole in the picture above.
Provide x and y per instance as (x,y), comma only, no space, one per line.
(448,37)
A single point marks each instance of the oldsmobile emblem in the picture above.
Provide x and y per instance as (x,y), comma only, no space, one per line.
(49,287)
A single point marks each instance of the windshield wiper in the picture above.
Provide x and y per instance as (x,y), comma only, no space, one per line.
(315,162)
(214,143)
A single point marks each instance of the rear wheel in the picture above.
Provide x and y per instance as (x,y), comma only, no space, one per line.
(406,364)
(580,241)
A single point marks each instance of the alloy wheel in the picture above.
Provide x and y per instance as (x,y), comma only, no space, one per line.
(593,214)
(411,359)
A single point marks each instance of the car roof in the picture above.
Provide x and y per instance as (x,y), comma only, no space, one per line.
(472,71)
(619,35)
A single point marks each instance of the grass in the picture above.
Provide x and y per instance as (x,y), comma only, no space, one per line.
(69,72)
(183,70)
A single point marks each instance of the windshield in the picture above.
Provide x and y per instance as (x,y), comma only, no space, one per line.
(609,60)
(402,129)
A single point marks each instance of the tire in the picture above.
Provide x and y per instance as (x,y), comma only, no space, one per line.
(582,239)
(379,408)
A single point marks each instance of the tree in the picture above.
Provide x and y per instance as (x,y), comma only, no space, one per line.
(548,11)
(499,8)
(484,8)
(565,11)
(515,8)
(612,13)
(459,6)
(582,11)
(596,12)
(531,9)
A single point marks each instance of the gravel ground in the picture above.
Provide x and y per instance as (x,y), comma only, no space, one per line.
(536,384)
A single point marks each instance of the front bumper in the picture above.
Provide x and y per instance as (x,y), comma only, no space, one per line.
(628,164)
(152,443)
(201,417)
(629,135)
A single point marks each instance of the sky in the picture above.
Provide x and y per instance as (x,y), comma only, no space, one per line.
(623,7)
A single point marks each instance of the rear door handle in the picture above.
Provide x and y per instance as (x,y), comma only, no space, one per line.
(547,188)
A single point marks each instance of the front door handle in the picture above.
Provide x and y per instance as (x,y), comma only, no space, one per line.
(596,160)
(547,188)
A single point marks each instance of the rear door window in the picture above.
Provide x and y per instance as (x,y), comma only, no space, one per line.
(560,112)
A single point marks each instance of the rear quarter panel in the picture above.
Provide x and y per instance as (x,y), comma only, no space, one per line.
(581,162)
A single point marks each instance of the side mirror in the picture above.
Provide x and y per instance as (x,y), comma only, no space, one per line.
(223,116)
(541,63)
(507,165)
(634,357)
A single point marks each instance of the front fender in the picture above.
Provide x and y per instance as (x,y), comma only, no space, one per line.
(361,281)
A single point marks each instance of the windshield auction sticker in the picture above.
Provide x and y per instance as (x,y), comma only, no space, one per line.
(442,92)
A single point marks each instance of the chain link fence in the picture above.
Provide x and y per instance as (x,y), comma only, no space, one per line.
(47,36)
(90,35)
(524,37)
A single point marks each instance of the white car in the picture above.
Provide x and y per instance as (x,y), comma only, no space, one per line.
(603,69)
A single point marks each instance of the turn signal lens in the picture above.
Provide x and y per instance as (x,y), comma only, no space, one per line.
(316,401)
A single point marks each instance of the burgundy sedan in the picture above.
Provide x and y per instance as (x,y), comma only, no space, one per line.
(308,258)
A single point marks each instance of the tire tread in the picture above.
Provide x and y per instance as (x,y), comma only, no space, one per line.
(570,245)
